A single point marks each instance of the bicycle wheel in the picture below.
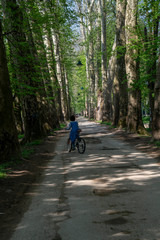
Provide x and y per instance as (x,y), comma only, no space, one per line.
(81,145)
(69,147)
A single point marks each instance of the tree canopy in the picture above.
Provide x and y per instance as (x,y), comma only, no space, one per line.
(117,80)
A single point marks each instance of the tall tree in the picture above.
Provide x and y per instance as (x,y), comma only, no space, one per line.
(156,113)
(90,51)
(58,12)
(121,70)
(9,146)
(60,73)
(53,74)
(25,68)
(103,103)
(34,35)
(134,117)
(151,32)
(84,33)
(87,16)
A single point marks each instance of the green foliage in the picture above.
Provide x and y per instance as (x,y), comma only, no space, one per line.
(26,152)
(62,126)
(6,167)
(99,121)
(144,49)
(79,85)
(157,143)
(20,136)
(35,142)
(32,65)
(146,119)
(28,148)
(107,123)
(149,130)
(3,174)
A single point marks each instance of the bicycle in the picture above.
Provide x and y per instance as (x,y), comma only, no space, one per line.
(80,144)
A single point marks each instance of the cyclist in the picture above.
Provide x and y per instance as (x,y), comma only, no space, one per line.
(74,133)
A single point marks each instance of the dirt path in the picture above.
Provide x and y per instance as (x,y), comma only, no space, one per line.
(110,192)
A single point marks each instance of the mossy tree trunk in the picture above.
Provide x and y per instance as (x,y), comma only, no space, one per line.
(134,118)
(25,70)
(9,146)
(156,113)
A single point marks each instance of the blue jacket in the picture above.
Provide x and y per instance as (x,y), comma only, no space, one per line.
(74,130)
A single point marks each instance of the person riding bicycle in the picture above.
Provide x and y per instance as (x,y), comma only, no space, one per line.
(74,133)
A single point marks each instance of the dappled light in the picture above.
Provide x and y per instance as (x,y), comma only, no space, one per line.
(19,173)
(103,191)
(79,119)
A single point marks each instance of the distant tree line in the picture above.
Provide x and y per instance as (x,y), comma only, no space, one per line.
(120,50)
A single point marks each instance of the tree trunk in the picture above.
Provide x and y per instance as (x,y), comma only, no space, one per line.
(68,94)
(156,113)
(121,71)
(116,100)
(52,70)
(134,122)
(103,108)
(46,101)
(102,4)
(110,79)
(91,62)
(18,115)
(91,81)
(60,75)
(100,103)
(98,83)
(9,146)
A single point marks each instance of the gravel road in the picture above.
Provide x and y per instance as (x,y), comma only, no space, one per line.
(111,192)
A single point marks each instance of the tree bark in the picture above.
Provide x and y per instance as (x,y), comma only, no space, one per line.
(134,121)
(60,74)
(9,146)
(116,100)
(91,61)
(52,70)
(98,83)
(121,70)
(156,113)
(18,115)
(102,4)
(103,110)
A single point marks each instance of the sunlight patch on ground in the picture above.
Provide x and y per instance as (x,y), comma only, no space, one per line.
(121,234)
(140,178)
(21,227)
(86,182)
(19,173)
(96,157)
(33,194)
(74,164)
(49,184)
(51,200)
(150,165)
(138,154)
(147,175)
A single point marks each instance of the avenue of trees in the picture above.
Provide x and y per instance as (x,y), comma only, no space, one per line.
(100,58)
